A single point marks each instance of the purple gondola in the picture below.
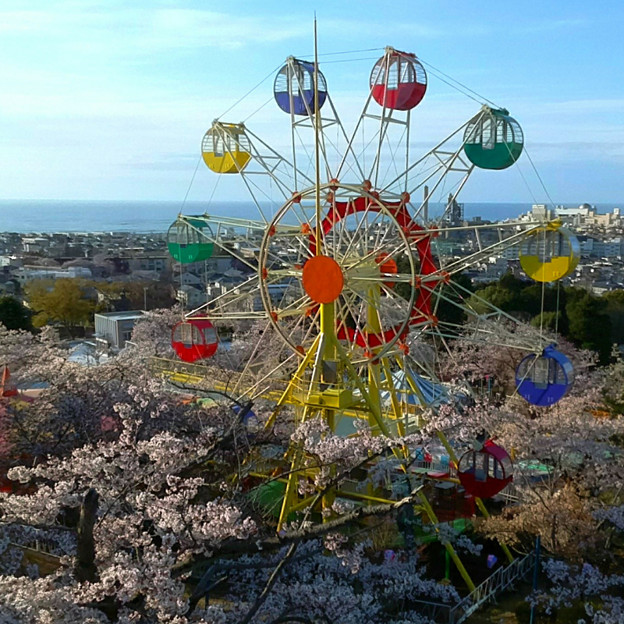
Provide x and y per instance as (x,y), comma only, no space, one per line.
(294,88)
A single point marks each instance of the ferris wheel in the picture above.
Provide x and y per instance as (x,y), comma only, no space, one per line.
(337,229)
(348,267)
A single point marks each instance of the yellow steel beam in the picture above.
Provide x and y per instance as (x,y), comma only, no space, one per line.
(451,551)
(298,375)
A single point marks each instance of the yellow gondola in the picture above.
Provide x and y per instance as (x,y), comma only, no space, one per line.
(225,148)
(550,254)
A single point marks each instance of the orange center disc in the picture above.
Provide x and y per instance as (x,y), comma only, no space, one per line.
(322,279)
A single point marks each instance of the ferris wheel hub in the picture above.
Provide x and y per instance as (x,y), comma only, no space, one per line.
(323,279)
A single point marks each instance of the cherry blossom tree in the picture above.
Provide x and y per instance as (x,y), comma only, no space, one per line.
(495,347)
(143,519)
(600,593)
(155,518)
(151,335)
(75,401)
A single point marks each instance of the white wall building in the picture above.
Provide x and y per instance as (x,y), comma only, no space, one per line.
(191,297)
(114,329)
(29,273)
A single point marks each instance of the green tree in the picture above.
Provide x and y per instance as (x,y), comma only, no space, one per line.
(535,297)
(449,310)
(615,311)
(140,294)
(64,301)
(505,294)
(496,295)
(550,321)
(590,326)
(403,266)
(14,315)
(526,300)
(519,297)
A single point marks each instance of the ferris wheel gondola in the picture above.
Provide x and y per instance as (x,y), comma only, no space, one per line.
(187,240)
(294,87)
(543,379)
(486,470)
(398,81)
(550,253)
(493,139)
(225,148)
(194,339)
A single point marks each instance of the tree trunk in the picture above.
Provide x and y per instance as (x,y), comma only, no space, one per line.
(86,569)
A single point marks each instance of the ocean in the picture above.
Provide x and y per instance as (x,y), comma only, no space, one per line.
(40,216)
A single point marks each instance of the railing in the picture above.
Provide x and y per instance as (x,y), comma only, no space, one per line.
(494,584)
(509,494)
(500,580)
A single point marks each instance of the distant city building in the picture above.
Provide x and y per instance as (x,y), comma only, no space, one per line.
(143,261)
(34,244)
(583,218)
(448,247)
(595,248)
(6,261)
(454,213)
(584,210)
(511,253)
(541,212)
(191,297)
(29,273)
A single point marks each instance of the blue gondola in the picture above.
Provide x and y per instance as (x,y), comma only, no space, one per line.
(294,87)
(544,379)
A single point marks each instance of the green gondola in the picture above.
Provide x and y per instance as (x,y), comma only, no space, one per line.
(493,139)
(189,240)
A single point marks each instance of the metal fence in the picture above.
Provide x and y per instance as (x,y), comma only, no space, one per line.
(500,580)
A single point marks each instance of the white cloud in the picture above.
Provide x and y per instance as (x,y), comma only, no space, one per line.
(104,89)
(148,28)
(89,27)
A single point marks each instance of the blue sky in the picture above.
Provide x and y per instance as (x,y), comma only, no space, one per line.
(110,100)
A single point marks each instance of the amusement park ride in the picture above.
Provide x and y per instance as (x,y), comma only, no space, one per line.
(349,269)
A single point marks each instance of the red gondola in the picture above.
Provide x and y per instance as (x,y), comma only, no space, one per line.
(485,472)
(194,339)
(398,80)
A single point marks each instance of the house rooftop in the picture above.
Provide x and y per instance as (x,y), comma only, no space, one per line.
(120,316)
